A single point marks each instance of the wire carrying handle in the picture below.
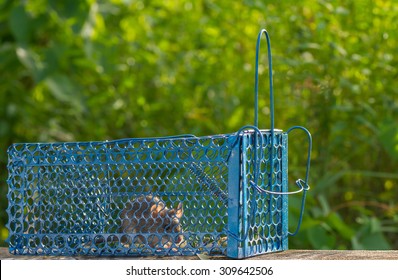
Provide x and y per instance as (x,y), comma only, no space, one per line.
(271,95)
(302,184)
(271,91)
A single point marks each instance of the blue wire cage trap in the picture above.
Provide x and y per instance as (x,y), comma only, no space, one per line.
(179,195)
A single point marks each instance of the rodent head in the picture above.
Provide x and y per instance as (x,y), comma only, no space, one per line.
(166,220)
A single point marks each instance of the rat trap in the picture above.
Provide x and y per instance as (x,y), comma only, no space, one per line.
(224,194)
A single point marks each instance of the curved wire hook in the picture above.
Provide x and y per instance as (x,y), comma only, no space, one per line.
(301,182)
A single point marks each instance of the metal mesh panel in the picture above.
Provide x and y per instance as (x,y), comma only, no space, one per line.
(266,213)
(69,198)
(262,217)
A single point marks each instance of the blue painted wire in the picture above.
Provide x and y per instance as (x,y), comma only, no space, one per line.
(300,182)
(271,96)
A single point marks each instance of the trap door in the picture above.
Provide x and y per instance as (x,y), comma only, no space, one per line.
(257,221)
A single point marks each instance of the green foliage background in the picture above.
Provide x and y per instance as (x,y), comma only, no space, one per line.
(94,70)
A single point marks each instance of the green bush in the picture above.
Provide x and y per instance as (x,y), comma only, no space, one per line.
(95,70)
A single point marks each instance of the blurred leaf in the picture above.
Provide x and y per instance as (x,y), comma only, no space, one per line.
(31,61)
(324,204)
(369,236)
(20,24)
(320,238)
(388,135)
(64,90)
(373,241)
(344,230)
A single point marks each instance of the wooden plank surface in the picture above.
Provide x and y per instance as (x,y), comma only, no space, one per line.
(286,255)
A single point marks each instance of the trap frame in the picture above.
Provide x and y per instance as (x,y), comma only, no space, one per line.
(67,198)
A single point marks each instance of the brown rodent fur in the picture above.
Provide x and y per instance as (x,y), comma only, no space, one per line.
(149,214)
